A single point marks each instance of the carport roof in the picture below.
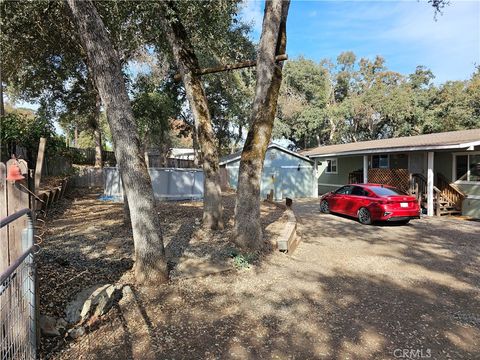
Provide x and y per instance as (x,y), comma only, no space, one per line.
(463,139)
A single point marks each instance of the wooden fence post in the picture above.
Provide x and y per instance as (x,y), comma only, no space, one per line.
(17,199)
(39,166)
(4,247)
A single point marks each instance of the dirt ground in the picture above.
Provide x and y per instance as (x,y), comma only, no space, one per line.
(86,243)
(348,292)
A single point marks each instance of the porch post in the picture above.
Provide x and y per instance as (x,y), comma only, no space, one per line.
(430,210)
(365,169)
(315,178)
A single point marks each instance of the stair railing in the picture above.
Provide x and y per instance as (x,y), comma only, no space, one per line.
(418,187)
(450,192)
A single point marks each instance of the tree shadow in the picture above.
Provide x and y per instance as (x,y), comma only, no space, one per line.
(87,243)
(349,291)
(327,317)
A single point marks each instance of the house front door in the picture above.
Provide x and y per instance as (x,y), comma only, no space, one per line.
(417,163)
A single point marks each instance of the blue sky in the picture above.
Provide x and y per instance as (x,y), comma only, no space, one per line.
(405,33)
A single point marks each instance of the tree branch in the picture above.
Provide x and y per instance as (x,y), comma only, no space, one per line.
(240,65)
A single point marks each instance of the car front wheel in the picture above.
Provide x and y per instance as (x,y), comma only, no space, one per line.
(324,207)
(364,216)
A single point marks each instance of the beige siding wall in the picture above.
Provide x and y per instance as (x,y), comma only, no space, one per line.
(470,189)
(329,182)
(442,163)
(471,207)
(471,204)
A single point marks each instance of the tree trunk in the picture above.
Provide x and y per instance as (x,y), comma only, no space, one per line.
(333,129)
(2,105)
(248,231)
(187,63)
(97,133)
(126,209)
(98,147)
(150,262)
(197,155)
(75,135)
(237,140)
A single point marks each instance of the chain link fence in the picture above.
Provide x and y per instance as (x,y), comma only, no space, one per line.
(17,299)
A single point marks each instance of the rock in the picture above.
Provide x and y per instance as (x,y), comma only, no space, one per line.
(74,308)
(48,325)
(95,300)
(105,301)
(197,221)
(75,333)
(87,305)
(61,324)
(127,295)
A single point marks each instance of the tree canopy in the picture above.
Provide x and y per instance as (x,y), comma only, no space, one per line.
(361,99)
(43,62)
(325,102)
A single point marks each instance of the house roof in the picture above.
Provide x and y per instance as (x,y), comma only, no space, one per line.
(237,155)
(446,140)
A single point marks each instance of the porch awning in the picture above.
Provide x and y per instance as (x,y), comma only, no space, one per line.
(463,139)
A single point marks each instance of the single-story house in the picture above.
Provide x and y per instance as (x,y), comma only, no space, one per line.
(442,169)
(286,172)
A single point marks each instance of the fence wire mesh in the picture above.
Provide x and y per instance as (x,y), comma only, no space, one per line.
(17,312)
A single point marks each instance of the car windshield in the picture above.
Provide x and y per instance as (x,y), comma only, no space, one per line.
(386,191)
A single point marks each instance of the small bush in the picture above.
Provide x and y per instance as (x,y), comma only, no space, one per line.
(242,261)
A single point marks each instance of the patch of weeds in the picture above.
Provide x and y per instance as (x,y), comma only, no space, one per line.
(242,261)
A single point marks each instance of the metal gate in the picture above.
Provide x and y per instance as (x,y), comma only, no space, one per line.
(17,298)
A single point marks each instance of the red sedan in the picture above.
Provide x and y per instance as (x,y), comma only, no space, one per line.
(371,202)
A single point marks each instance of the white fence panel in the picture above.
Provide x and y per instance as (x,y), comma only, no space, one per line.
(88,176)
(167,183)
(112,185)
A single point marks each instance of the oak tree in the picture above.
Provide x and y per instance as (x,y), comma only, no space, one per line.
(273,40)
(150,262)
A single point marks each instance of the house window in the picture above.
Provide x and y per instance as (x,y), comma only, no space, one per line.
(380,161)
(467,167)
(332,167)
(474,167)
(398,161)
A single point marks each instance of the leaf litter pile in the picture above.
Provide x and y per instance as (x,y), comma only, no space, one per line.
(87,243)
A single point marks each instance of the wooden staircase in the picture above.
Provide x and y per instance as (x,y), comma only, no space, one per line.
(443,206)
(447,199)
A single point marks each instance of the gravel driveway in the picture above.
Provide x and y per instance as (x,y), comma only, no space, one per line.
(348,292)
(387,287)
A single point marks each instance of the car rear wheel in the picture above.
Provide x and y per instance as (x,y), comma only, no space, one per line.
(324,207)
(364,216)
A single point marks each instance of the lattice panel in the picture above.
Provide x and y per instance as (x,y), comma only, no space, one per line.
(399,178)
